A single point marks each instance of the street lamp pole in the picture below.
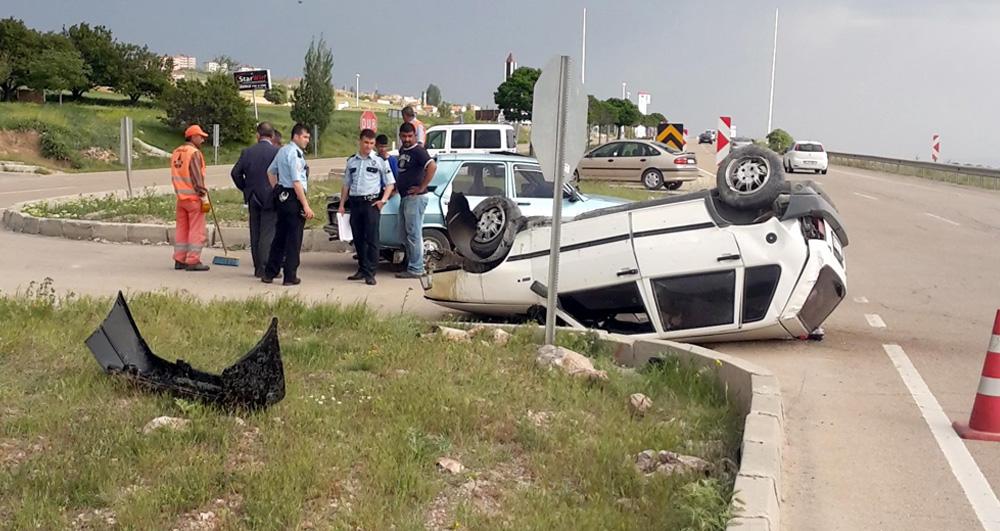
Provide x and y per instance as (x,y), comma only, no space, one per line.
(357,90)
(774,58)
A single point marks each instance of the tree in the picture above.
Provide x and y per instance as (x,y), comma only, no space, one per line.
(779,140)
(58,66)
(514,96)
(653,119)
(313,100)
(625,112)
(142,72)
(433,95)
(444,109)
(227,64)
(215,101)
(277,94)
(98,48)
(18,46)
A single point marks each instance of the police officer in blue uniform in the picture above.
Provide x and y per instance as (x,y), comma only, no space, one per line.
(368,185)
(289,174)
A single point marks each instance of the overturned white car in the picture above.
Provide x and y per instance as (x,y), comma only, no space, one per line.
(754,258)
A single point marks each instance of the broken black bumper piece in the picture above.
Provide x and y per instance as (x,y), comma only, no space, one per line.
(256,381)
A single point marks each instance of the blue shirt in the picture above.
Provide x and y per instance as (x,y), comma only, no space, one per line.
(394,165)
(367,175)
(290,166)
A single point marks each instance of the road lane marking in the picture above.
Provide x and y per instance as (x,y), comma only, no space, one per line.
(36,190)
(866,196)
(706,173)
(902,181)
(977,490)
(946,220)
(874,320)
(861,300)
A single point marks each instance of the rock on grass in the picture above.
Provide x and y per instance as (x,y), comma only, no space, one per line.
(570,362)
(168,423)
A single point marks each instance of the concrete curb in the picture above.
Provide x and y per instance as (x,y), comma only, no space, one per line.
(756,500)
(15,220)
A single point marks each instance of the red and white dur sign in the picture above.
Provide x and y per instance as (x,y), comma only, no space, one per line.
(368,121)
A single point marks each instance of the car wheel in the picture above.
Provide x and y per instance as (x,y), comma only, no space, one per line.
(493,224)
(750,178)
(576,176)
(816,171)
(672,185)
(652,179)
(436,246)
(823,172)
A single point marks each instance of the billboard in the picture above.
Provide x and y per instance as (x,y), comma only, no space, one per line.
(253,79)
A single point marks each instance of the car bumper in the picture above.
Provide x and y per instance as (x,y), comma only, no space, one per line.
(808,164)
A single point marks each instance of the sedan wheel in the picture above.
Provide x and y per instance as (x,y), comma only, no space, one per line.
(652,179)
(490,225)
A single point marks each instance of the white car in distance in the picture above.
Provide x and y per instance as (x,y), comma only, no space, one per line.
(806,155)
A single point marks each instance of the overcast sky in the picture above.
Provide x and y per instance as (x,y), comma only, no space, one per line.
(873,77)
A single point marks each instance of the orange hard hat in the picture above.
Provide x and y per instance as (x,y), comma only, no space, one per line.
(194,130)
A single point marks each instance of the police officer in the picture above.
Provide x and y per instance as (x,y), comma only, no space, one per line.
(290,173)
(368,185)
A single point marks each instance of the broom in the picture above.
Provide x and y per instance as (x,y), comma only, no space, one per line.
(220,260)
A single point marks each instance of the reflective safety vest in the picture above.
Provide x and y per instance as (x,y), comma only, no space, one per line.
(180,172)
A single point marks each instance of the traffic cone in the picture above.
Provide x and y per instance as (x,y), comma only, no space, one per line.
(984,423)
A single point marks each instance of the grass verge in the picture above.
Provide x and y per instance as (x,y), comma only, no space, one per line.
(150,207)
(370,407)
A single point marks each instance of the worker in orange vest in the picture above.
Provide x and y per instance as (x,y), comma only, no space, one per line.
(187,172)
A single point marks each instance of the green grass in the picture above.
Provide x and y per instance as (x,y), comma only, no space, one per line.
(149,207)
(370,407)
(95,123)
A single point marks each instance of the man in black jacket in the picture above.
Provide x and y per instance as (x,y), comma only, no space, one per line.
(250,176)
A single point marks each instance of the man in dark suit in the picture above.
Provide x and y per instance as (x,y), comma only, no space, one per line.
(250,176)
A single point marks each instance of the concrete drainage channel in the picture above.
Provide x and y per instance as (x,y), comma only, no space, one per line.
(15,220)
(755,392)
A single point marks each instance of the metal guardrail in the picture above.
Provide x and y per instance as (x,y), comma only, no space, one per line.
(967,175)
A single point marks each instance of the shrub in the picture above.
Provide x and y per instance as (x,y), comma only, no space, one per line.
(216,101)
(779,140)
(277,94)
(54,141)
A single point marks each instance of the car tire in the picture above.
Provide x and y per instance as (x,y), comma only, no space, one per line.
(672,185)
(652,179)
(750,178)
(436,246)
(494,225)
(823,172)
(576,176)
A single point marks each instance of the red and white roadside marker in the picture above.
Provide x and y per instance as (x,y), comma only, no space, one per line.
(722,139)
(935,148)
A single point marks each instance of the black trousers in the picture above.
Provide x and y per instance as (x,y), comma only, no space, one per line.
(263,223)
(287,243)
(364,224)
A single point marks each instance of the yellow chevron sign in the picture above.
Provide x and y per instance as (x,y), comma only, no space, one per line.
(671,135)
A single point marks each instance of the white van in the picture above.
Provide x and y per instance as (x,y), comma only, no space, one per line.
(470,138)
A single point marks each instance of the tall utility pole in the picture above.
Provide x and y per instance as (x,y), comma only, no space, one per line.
(774,58)
(583,59)
(623,91)
(357,90)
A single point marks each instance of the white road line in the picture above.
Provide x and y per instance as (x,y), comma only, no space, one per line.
(706,173)
(900,181)
(874,320)
(946,220)
(36,190)
(977,490)
(861,300)
(866,196)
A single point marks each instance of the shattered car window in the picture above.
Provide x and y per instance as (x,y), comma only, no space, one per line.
(617,308)
(696,301)
(529,183)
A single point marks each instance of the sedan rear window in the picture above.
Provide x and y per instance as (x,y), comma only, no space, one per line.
(816,148)
(667,148)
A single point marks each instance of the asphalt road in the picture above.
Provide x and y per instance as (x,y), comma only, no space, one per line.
(89,268)
(923,258)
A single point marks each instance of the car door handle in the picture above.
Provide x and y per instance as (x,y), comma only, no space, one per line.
(642,160)
(627,271)
(611,160)
(728,257)
(524,204)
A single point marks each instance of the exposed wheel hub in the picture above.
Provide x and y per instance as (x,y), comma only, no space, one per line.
(746,176)
(490,225)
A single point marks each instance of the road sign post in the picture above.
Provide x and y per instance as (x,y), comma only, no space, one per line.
(315,140)
(125,150)
(722,136)
(215,141)
(935,148)
(559,136)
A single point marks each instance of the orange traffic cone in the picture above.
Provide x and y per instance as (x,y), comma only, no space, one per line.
(984,423)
